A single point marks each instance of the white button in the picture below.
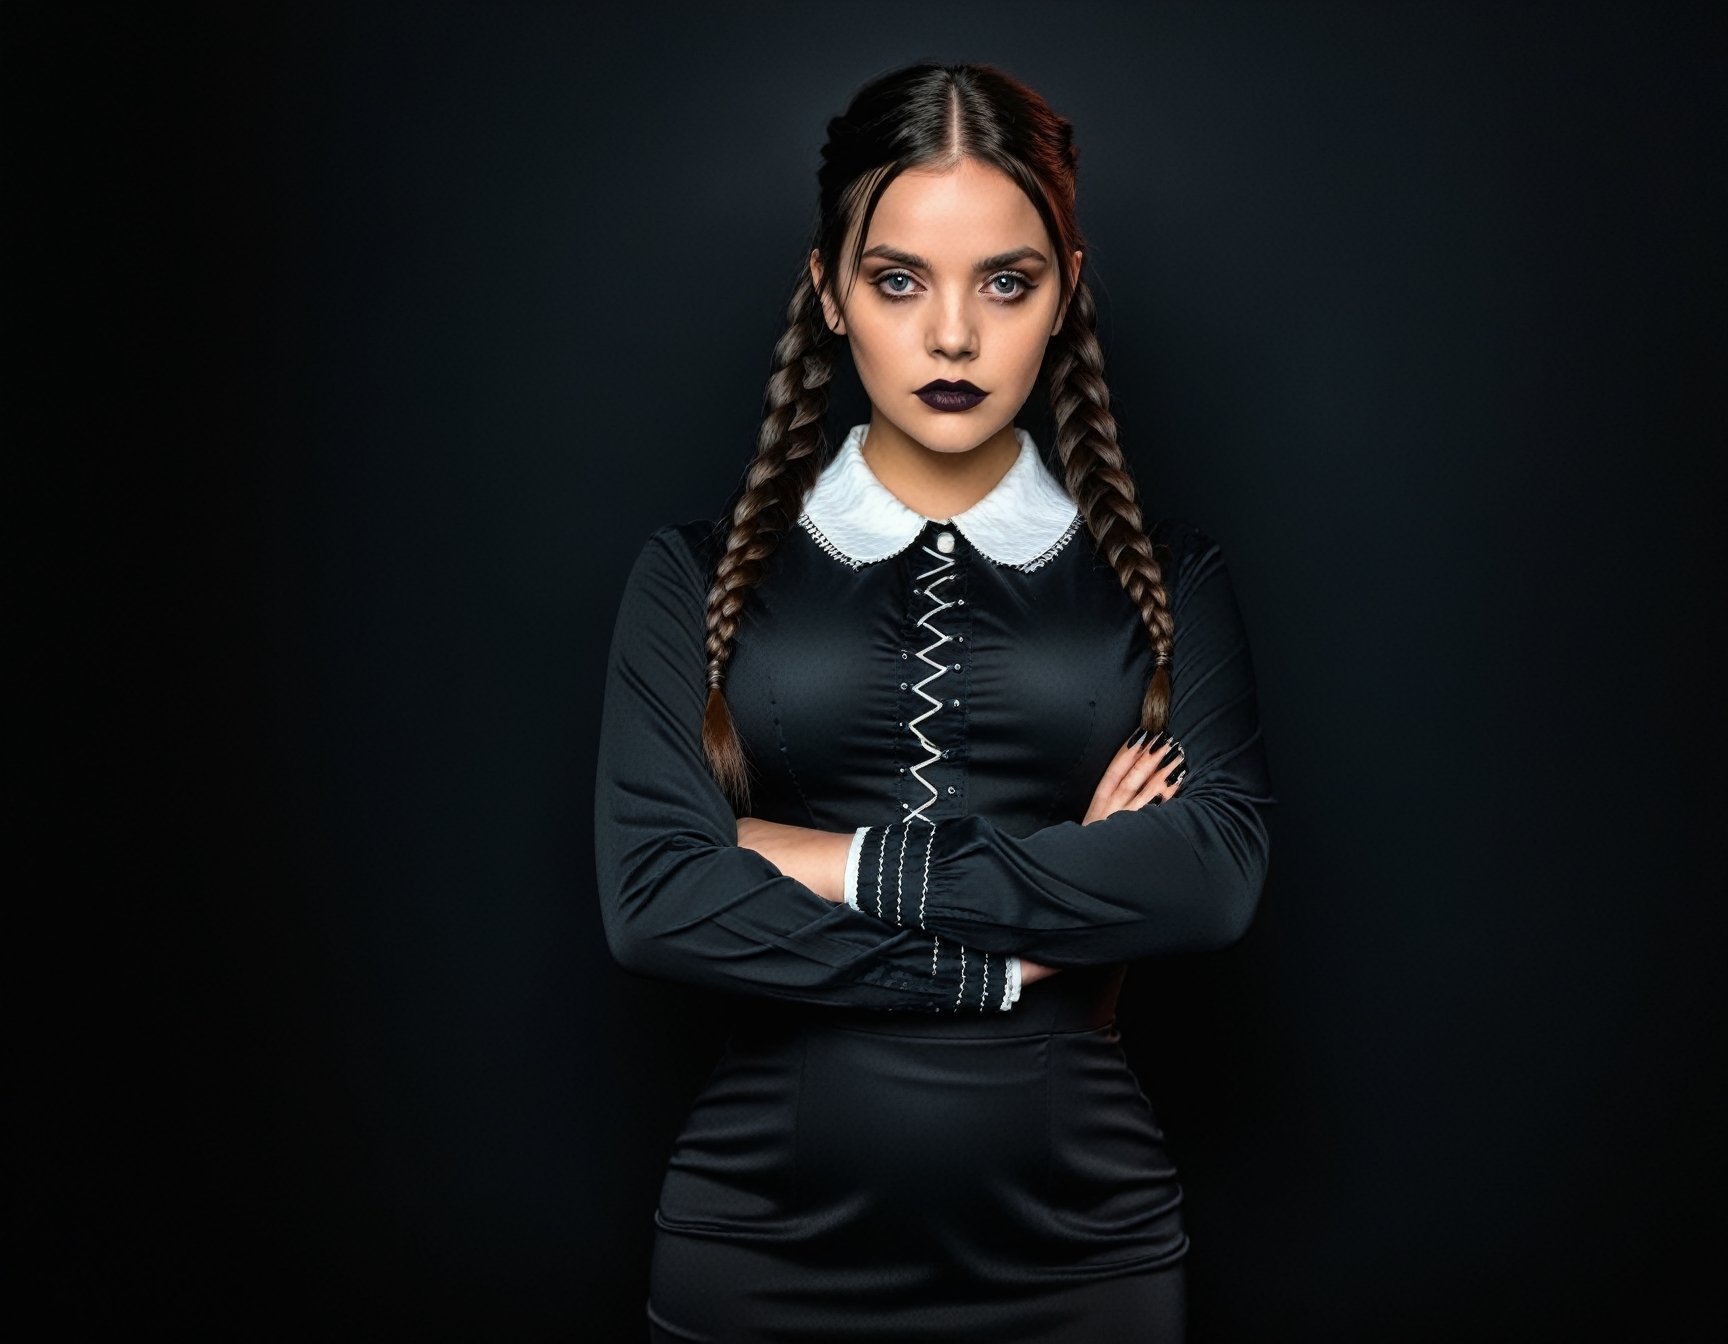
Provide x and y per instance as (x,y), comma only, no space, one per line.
(945,542)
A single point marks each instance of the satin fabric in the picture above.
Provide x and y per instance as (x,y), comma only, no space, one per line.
(844,1176)
(883,1152)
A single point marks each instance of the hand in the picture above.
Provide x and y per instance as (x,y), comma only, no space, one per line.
(1141,773)
(1031,972)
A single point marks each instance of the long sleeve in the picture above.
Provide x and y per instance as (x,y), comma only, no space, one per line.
(680,899)
(1181,875)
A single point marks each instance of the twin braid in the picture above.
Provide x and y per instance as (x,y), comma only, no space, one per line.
(1097,476)
(787,462)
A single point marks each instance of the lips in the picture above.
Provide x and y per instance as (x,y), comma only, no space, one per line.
(941,395)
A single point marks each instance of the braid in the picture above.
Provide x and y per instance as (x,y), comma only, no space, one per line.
(789,451)
(1098,478)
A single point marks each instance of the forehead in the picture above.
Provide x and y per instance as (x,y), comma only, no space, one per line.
(956,212)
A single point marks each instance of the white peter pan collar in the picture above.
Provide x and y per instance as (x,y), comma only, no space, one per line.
(1022,522)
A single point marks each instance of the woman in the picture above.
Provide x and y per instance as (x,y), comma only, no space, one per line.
(862,768)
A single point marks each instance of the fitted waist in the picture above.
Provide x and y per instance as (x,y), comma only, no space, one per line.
(1077,999)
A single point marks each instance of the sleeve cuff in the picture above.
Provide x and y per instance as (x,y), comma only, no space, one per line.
(986,981)
(977,980)
(889,873)
(852,854)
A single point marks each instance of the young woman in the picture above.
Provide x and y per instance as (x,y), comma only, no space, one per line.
(909,753)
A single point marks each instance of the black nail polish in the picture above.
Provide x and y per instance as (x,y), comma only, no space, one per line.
(1157,741)
(1136,737)
(1157,797)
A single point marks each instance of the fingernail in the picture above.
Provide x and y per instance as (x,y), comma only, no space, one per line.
(1157,797)
(1179,776)
(1154,743)
(1133,736)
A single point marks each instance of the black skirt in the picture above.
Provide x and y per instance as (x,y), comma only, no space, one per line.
(850,1175)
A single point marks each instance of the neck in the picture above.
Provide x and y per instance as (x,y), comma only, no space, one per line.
(937,483)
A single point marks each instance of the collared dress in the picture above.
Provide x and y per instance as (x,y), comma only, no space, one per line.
(901,1141)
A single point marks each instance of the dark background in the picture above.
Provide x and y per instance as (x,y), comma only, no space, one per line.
(367,345)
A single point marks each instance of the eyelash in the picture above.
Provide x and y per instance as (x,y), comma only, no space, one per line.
(1026,286)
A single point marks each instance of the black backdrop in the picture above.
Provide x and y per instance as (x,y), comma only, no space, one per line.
(370,342)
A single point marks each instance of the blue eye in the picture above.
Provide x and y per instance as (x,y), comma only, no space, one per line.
(881,283)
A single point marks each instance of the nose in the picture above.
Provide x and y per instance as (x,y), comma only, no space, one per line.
(954,330)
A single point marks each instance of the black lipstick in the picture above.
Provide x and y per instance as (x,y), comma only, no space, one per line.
(941,395)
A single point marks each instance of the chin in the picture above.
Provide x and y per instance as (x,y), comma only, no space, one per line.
(953,431)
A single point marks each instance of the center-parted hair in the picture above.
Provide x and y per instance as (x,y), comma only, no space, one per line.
(929,116)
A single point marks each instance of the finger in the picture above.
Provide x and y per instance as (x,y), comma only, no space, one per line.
(1144,762)
(1125,777)
(1159,789)
(1137,774)
(1127,756)
(1155,773)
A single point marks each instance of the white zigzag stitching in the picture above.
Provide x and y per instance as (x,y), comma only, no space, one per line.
(944,563)
(941,669)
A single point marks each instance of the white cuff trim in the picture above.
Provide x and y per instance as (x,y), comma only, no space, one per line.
(1011,990)
(852,853)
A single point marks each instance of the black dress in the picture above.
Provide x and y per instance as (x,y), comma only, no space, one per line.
(885,1151)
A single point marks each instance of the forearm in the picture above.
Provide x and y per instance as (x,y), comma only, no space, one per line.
(1182,877)
(825,862)
(814,857)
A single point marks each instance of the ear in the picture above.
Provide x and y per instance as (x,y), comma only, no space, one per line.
(1073,284)
(836,323)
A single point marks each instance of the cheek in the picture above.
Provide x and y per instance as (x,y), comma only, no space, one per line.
(878,347)
(1026,356)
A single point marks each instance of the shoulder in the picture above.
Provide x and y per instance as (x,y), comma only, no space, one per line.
(668,579)
(684,551)
(1196,577)
(1183,547)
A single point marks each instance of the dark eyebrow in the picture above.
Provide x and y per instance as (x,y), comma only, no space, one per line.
(994,263)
